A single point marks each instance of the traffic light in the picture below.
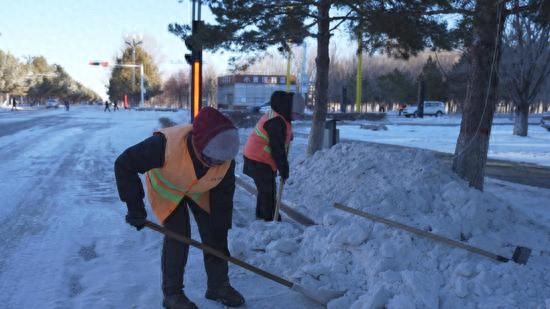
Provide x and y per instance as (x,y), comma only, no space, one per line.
(189,58)
(189,44)
(101,63)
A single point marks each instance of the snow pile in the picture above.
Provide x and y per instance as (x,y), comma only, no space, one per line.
(384,267)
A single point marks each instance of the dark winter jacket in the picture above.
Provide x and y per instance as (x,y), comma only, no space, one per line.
(149,154)
(281,102)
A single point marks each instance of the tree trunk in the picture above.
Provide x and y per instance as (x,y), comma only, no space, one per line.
(420,97)
(321,79)
(521,121)
(477,117)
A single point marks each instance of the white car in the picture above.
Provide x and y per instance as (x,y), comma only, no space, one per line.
(434,108)
(261,109)
(52,103)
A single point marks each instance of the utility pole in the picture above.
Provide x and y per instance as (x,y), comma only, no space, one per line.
(289,57)
(359,77)
(303,74)
(194,44)
(420,96)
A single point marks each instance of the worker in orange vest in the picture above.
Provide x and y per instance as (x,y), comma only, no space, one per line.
(189,166)
(266,152)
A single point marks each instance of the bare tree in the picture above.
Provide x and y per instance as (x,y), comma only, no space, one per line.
(210,85)
(525,66)
(175,90)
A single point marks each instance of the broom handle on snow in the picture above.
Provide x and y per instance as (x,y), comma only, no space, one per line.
(214,252)
(278,201)
(422,233)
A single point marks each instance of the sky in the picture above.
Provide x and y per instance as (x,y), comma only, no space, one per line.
(71,33)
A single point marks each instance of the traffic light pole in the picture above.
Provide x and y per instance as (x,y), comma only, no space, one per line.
(141,75)
(195,59)
(141,85)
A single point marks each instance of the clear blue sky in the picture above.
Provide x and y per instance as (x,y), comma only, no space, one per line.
(72,32)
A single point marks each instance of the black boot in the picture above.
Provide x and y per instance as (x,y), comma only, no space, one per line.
(226,295)
(178,301)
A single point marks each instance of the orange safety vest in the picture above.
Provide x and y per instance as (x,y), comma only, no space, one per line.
(257,146)
(169,184)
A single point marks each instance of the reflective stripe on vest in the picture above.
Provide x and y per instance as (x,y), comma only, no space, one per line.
(164,187)
(169,184)
(259,132)
(257,146)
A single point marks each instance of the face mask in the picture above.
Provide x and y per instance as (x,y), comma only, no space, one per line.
(210,161)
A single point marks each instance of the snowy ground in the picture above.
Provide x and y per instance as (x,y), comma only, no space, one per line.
(64,242)
(441,133)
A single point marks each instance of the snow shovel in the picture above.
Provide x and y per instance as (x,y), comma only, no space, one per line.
(321,296)
(279,198)
(520,256)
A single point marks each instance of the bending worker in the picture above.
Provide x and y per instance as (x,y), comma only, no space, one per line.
(266,152)
(190,166)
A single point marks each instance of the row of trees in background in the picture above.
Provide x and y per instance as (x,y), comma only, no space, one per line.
(36,81)
(176,89)
(392,82)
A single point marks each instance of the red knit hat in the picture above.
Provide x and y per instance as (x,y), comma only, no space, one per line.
(207,125)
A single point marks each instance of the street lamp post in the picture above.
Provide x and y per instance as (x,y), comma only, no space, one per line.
(133,41)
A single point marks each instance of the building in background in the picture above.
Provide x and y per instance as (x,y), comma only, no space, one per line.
(248,91)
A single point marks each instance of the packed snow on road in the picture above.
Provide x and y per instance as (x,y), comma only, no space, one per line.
(65,244)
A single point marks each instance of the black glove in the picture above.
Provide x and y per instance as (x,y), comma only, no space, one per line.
(283,172)
(137,215)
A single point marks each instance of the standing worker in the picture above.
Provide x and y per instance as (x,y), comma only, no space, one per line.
(107,106)
(266,152)
(193,167)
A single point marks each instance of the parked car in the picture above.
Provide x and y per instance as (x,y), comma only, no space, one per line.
(433,108)
(52,103)
(262,109)
(545,121)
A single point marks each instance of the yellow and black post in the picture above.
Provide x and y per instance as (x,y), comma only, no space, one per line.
(194,44)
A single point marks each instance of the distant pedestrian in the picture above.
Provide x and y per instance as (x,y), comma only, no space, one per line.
(115,105)
(66,105)
(13,104)
(107,107)
(401,108)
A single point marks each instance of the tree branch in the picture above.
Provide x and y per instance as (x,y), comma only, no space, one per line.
(524,8)
(449,11)
(342,20)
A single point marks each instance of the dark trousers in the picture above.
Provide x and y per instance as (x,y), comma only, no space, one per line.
(264,178)
(174,253)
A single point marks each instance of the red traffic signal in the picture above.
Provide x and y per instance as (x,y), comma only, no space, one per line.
(101,63)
